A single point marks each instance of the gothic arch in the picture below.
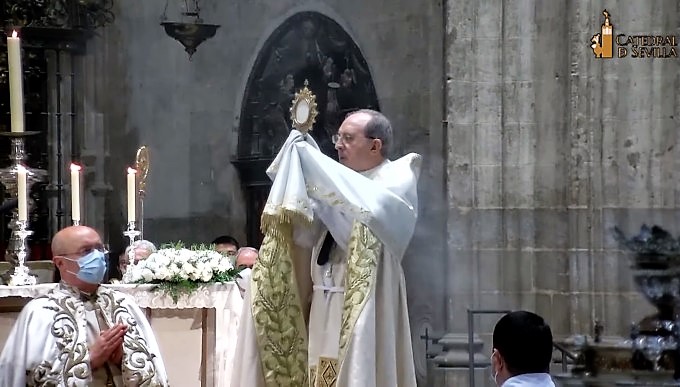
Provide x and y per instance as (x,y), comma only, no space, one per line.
(306,46)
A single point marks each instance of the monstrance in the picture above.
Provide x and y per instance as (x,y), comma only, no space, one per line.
(303,112)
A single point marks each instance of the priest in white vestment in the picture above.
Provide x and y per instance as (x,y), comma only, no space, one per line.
(326,305)
(81,334)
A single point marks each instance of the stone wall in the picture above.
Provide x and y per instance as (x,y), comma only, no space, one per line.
(548,149)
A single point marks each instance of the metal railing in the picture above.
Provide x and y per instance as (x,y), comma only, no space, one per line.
(566,354)
(471,331)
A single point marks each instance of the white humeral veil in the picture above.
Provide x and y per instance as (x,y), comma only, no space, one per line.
(357,332)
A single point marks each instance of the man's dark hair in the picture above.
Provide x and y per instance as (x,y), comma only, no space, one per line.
(525,342)
(226,239)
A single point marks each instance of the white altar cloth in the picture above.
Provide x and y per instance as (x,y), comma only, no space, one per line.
(219,339)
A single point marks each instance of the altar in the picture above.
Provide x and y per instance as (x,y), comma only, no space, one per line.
(197,335)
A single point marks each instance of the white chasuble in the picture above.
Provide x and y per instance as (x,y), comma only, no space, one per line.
(356,331)
(49,343)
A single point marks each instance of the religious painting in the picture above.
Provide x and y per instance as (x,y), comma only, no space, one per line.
(307,47)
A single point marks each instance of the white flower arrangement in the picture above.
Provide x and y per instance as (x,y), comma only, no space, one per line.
(178,270)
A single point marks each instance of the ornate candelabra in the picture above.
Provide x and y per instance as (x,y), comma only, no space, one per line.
(8,178)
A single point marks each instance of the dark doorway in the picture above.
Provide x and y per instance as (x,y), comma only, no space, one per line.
(307,46)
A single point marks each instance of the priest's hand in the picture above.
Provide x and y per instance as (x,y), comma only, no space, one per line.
(107,343)
(116,357)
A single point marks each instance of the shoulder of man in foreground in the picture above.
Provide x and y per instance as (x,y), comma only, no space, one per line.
(29,330)
(37,305)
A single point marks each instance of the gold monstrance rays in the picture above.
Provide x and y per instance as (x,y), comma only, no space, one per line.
(303,111)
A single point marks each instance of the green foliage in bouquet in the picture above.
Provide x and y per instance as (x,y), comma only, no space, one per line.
(179,271)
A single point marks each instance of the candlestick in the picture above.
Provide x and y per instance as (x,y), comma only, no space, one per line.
(21,276)
(8,178)
(132,234)
(16,93)
(75,194)
(21,193)
(131,194)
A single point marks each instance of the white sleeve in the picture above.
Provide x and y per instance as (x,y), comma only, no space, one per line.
(30,347)
(387,205)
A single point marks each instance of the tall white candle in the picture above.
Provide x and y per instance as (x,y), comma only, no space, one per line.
(16,90)
(22,194)
(75,192)
(131,194)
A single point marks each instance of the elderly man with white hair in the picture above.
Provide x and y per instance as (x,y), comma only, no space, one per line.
(142,250)
(245,259)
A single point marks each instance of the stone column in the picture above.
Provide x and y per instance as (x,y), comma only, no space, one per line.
(474,188)
(93,135)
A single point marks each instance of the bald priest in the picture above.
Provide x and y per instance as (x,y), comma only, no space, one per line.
(81,334)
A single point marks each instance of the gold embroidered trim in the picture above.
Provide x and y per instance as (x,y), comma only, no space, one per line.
(277,311)
(327,372)
(364,252)
(138,368)
(312,376)
(65,330)
(335,200)
(43,375)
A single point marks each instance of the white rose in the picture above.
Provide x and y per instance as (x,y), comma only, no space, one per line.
(160,259)
(174,269)
(147,275)
(188,269)
(128,277)
(163,274)
(228,263)
(201,267)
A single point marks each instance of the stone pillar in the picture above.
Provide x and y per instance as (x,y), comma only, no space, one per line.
(93,138)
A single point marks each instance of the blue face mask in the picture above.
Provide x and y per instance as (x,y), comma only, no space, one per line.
(92,267)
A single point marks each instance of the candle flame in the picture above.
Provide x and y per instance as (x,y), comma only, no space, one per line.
(21,168)
(14,33)
(75,167)
(131,170)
